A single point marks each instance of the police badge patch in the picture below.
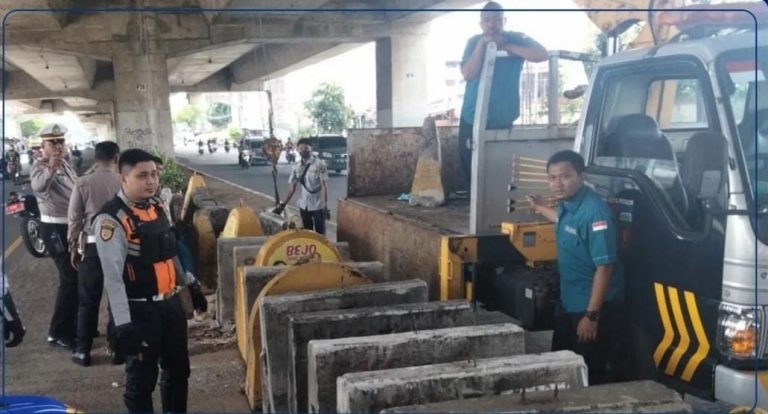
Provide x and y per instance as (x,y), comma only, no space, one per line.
(107,229)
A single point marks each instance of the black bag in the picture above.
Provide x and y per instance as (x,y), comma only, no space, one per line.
(303,177)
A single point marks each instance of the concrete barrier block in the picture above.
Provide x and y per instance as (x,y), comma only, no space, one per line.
(332,358)
(305,327)
(275,312)
(371,392)
(225,309)
(624,397)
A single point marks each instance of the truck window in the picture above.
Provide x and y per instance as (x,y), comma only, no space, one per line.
(677,104)
(647,116)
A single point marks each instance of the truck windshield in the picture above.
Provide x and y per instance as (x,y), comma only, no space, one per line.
(746,87)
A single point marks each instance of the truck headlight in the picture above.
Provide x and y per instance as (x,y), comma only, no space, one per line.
(738,332)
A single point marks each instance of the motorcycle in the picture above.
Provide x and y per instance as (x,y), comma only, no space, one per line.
(14,171)
(290,156)
(226,148)
(25,207)
(245,159)
(200,151)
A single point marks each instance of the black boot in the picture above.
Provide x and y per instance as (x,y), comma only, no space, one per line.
(173,397)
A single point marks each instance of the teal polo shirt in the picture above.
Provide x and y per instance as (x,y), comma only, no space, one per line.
(587,237)
(504,104)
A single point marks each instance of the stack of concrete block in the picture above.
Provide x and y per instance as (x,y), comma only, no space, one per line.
(305,327)
(333,358)
(371,392)
(275,314)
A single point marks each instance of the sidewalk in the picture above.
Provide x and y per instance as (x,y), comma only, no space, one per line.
(39,369)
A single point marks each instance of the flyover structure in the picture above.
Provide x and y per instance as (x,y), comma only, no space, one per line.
(114,63)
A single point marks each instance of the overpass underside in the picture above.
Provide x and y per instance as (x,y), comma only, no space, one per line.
(114,63)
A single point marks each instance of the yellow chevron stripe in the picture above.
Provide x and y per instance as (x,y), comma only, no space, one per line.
(669,334)
(701,337)
(685,340)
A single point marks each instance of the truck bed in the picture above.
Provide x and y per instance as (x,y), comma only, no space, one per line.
(451,218)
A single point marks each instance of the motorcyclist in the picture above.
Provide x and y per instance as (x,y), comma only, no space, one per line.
(289,155)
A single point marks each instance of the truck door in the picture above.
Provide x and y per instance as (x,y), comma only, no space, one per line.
(652,142)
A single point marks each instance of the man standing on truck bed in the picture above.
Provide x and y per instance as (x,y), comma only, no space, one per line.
(589,314)
(504,105)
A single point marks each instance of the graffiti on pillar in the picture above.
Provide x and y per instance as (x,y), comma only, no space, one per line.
(138,137)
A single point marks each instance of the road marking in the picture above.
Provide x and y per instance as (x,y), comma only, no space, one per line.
(12,248)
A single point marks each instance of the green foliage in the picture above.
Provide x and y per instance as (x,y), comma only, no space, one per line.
(173,174)
(188,115)
(30,128)
(219,114)
(303,132)
(328,109)
(235,133)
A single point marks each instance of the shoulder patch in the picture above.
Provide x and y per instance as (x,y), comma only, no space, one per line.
(599,225)
(107,229)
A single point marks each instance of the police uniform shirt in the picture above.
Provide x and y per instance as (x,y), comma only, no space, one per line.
(91,192)
(113,248)
(52,189)
(586,238)
(310,198)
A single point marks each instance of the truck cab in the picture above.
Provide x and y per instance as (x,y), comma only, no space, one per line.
(676,140)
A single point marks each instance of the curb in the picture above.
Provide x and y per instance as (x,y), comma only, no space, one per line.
(293,209)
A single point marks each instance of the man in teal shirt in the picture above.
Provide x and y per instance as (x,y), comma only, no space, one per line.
(504,105)
(589,314)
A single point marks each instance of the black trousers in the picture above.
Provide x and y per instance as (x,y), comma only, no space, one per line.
(90,285)
(313,220)
(163,326)
(64,319)
(602,355)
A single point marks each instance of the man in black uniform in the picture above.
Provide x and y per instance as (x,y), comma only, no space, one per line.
(142,277)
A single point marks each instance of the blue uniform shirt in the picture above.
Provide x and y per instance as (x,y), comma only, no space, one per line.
(586,238)
(504,104)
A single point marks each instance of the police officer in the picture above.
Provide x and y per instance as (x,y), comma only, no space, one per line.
(91,192)
(142,275)
(52,180)
(312,175)
(588,317)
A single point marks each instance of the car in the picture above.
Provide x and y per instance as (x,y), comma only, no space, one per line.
(254,144)
(333,150)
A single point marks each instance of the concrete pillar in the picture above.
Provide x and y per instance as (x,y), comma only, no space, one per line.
(401,81)
(141,101)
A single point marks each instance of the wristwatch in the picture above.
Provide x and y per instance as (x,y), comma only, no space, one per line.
(593,316)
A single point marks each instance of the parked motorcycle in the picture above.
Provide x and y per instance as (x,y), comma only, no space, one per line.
(25,207)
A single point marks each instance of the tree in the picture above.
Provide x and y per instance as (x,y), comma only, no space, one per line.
(328,109)
(30,128)
(235,133)
(219,114)
(188,115)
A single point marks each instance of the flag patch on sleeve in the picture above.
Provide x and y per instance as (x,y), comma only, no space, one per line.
(599,225)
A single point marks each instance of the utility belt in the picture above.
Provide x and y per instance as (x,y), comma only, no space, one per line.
(44,218)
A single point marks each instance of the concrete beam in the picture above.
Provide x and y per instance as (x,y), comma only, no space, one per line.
(277,60)
(275,313)
(371,392)
(305,327)
(330,359)
(22,86)
(54,70)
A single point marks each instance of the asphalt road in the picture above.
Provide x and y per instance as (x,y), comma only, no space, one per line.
(224,165)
